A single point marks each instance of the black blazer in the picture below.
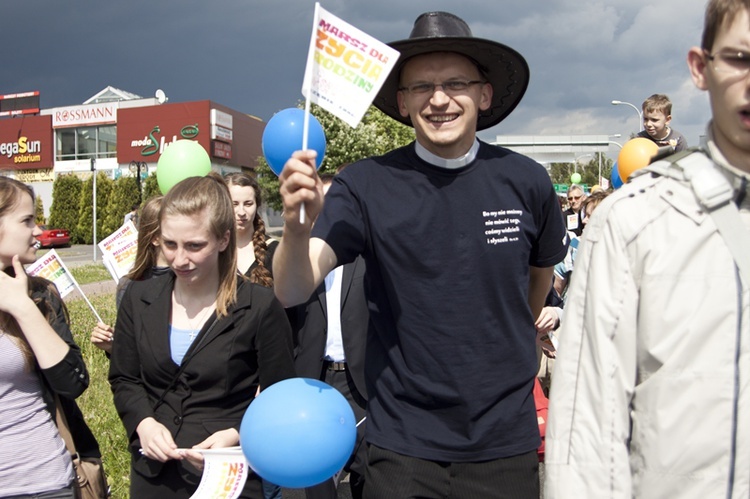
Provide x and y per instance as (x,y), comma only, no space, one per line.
(227,362)
(310,326)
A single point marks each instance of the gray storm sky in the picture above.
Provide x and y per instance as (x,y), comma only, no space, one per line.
(250,54)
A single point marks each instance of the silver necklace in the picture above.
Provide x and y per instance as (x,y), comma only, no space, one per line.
(200,319)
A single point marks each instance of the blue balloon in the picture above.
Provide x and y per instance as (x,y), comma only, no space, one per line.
(615,177)
(298,432)
(283,135)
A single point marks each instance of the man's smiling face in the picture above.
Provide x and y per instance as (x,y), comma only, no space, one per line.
(445,122)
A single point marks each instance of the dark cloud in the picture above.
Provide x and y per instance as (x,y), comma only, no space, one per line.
(250,54)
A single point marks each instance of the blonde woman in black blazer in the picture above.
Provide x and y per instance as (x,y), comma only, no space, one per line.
(193,347)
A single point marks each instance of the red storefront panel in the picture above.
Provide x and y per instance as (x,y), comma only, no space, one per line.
(26,143)
(144,132)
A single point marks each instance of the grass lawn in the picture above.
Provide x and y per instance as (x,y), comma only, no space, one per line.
(96,402)
(94,272)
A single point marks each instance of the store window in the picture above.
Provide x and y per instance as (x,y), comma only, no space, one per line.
(107,142)
(86,142)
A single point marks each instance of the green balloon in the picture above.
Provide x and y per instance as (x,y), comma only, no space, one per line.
(180,160)
(575,178)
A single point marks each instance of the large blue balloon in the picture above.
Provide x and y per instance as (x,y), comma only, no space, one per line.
(283,135)
(615,177)
(298,432)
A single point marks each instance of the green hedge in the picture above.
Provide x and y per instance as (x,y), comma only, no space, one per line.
(72,204)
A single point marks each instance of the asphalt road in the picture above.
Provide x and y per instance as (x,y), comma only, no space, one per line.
(77,254)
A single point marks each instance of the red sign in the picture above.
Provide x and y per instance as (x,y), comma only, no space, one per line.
(26,143)
(221,150)
(144,132)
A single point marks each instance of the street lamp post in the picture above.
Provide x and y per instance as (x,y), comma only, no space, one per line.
(135,167)
(575,161)
(640,114)
(93,202)
(611,142)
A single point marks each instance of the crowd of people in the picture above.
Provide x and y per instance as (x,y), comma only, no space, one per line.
(428,333)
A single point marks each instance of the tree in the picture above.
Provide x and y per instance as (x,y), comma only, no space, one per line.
(38,211)
(66,195)
(375,135)
(124,196)
(85,229)
(150,188)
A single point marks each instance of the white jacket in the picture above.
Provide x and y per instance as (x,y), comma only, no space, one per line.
(650,394)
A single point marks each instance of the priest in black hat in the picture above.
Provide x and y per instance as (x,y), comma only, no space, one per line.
(459,238)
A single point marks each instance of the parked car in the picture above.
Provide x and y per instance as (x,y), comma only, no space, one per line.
(53,237)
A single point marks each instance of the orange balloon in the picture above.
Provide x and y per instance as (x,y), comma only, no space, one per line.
(634,155)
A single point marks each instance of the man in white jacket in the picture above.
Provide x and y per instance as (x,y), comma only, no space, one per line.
(651,393)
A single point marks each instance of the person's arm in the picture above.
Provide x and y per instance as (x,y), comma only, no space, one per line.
(274,344)
(547,320)
(101,337)
(68,378)
(130,396)
(300,263)
(540,282)
(588,432)
(560,284)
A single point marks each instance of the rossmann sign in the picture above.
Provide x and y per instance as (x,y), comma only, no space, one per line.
(85,115)
(26,143)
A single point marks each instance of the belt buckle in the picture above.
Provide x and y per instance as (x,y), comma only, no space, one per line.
(336,366)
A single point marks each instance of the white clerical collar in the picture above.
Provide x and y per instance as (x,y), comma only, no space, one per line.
(448,163)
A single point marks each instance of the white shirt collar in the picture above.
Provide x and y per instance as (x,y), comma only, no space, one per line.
(448,163)
(736,175)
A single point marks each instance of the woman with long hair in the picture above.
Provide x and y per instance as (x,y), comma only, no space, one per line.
(193,346)
(39,360)
(254,247)
(149,262)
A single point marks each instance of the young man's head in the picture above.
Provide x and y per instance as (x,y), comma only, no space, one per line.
(590,203)
(448,84)
(657,113)
(721,66)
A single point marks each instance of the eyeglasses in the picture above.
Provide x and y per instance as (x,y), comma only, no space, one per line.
(571,198)
(449,87)
(731,63)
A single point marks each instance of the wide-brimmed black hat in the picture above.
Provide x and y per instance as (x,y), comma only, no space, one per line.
(503,67)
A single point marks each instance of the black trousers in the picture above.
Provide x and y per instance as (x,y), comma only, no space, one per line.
(390,475)
(342,381)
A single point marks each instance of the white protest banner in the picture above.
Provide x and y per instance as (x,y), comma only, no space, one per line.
(51,267)
(119,249)
(224,473)
(345,67)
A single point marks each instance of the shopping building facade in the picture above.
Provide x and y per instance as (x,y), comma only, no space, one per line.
(121,134)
